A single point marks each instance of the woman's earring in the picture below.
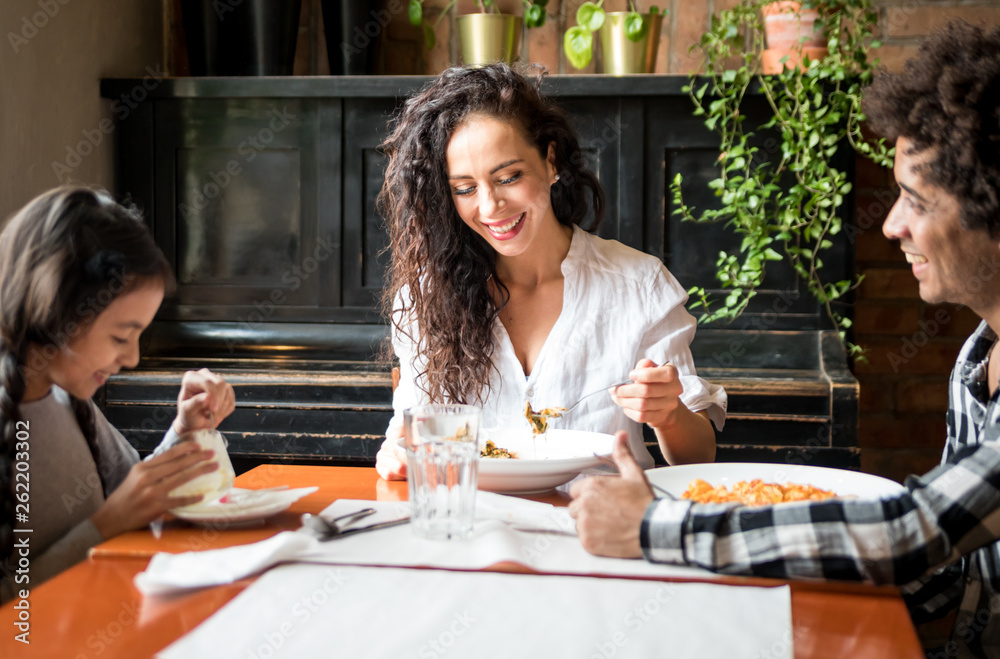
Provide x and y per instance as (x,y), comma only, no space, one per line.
(557,177)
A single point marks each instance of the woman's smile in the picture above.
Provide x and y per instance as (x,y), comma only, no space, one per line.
(508,229)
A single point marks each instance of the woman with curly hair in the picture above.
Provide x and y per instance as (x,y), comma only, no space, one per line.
(939,541)
(497,297)
(80,278)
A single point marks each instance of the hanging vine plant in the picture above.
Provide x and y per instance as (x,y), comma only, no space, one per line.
(815,106)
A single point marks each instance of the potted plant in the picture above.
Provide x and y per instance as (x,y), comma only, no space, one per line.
(790,30)
(487,36)
(783,204)
(629,40)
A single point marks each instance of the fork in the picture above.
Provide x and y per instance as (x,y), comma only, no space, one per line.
(605,460)
(594,393)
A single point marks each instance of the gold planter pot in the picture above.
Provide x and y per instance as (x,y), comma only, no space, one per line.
(488,38)
(619,54)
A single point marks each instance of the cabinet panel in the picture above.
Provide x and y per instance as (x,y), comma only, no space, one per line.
(365,233)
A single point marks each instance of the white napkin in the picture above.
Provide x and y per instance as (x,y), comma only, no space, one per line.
(168,573)
(508,529)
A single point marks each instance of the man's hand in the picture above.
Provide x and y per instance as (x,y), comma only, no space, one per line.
(608,510)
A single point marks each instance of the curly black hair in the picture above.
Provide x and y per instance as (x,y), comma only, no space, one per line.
(442,275)
(947,101)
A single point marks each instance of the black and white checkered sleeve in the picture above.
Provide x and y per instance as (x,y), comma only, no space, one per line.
(947,513)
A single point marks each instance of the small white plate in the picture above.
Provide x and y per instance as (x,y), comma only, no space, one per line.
(845,483)
(242,506)
(544,462)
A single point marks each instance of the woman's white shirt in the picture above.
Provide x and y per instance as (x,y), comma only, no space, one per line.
(619,306)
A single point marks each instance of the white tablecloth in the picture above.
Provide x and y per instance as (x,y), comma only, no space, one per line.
(305,611)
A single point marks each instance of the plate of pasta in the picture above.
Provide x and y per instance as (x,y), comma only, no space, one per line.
(754,483)
(522,463)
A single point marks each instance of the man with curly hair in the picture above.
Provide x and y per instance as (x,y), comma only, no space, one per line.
(940,540)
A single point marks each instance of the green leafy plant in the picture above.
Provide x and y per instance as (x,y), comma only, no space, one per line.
(578,42)
(534,15)
(784,205)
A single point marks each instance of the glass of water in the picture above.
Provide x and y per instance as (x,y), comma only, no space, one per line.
(442,464)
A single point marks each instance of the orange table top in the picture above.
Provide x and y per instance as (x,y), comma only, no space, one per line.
(93,610)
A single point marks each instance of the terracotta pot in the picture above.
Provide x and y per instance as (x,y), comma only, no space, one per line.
(770,58)
(787,24)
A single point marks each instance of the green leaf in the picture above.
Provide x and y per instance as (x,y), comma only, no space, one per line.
(416,12)
(579,46)
(590,16)
(430,39)
(535,16)
(636,27)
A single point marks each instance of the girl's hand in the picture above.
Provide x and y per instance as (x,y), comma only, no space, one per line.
(204,401)
(390,462)
(144,495)
(654,396)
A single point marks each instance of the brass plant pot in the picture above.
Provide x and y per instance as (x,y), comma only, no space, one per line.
(488,38)
(619,54)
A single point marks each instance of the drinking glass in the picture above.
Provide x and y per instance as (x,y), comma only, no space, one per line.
(442,464)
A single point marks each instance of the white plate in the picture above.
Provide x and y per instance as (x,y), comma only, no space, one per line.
(543,463)
(242,506)
(845,483)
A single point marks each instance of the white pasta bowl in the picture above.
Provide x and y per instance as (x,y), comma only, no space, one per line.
(842,482)
(543,462)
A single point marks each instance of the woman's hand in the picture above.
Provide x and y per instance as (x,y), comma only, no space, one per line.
(390,462)
(608,510)
(204,401)
(654,399)
(144,495)
(654,396)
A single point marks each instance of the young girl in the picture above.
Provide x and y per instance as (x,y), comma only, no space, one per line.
(80,278)
(497,297)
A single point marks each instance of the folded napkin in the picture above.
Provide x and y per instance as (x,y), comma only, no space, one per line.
(536,535)
(167,573)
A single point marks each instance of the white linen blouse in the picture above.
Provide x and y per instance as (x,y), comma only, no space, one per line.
(619,306)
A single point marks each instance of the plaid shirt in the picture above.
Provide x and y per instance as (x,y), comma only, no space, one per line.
(938,541)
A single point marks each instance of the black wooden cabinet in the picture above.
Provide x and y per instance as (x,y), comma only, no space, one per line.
(262,191)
